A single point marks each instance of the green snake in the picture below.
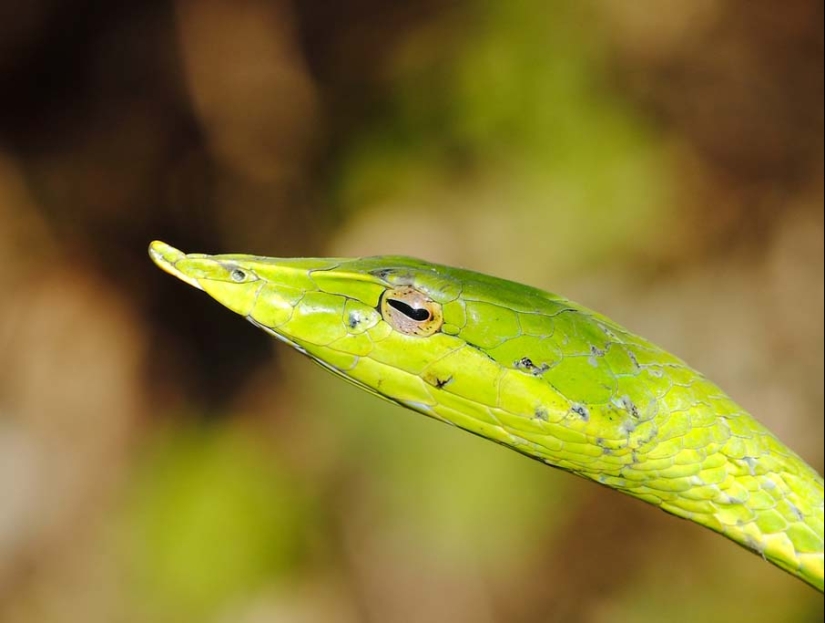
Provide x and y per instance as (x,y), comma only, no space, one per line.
(539,374)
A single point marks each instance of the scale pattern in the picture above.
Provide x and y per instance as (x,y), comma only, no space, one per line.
(544,376)
(638,419)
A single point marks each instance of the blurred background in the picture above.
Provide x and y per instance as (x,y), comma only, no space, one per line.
(161,460)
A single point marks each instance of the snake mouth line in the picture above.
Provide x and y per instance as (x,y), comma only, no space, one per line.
(166,257)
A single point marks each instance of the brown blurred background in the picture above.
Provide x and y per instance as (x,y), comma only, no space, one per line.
(161,460)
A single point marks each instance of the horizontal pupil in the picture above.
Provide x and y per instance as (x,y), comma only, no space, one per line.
(419,315)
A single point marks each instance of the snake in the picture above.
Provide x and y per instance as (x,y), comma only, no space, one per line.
(538,373)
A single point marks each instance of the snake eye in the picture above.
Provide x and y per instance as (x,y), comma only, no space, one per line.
(419,315)
(411,312)
(237,275)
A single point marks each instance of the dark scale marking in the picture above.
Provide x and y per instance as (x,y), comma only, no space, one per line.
(630,407)
(605,448)
(354,320)
(795,510)
(608,332)
(540,414)
(595,353)
(383,273)
(632,357)
(581,411)
(440,383)
(652,432)
(525,363)
(436,381)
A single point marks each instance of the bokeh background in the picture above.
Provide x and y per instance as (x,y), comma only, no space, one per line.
(161,460)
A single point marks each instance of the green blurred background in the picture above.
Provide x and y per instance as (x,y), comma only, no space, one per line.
(161,460)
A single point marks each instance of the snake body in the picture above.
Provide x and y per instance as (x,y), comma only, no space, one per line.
(540,374)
